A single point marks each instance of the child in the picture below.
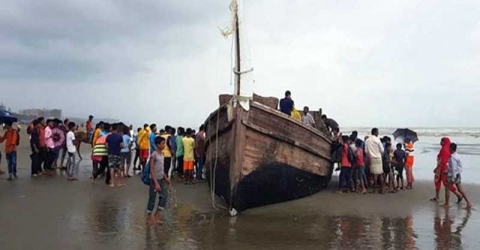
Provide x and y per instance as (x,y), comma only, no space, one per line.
(410,159)
(72,168)
(158,179)
(188,156)
(399,156)
(360,165)
(454,176)
(387,167)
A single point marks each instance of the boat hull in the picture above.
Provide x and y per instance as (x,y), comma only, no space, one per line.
(260,156)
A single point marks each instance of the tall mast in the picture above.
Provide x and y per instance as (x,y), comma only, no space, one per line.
(237,46)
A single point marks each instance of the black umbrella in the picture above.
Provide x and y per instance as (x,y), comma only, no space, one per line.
(6,116)
(406,133)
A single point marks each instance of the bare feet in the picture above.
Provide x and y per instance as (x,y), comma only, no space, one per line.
(111,185)
(150,220)
(445,205)
(469,206)
(158,218)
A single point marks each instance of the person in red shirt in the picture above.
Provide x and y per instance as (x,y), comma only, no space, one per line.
(441,170)
(360,163)
(345,172)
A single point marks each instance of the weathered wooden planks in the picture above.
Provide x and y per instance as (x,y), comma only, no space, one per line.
(262,142)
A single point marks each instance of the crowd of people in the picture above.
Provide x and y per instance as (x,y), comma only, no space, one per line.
(374,163)
(165,153)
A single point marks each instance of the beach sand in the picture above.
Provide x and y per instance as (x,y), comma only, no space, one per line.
(52,213)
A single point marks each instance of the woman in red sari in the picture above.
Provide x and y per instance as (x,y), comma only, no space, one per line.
(441,171)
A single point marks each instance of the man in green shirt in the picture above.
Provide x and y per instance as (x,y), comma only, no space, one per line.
(179,153)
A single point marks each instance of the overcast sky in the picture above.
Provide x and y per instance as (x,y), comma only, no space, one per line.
(366,63)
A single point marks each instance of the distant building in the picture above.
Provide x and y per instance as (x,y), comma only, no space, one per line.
(37,112)
(3,107)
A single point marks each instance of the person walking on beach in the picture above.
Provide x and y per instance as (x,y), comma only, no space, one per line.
(286,104)
(189,156)
(114,143)
(409,162)
(374,150)
(307,118)
(72,167)
(441,171)
(455,168)
(12,140)
(143,141)
(158,182)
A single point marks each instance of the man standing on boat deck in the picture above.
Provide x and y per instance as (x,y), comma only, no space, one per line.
(307,118)
(331,124)
(286,104)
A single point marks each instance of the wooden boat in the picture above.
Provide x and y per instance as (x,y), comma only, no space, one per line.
(256,155)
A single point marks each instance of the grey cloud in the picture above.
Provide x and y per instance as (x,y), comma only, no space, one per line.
(382,63)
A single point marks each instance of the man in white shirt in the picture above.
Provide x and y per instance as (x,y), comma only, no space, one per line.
(374,150)
(307,118)
(72,167)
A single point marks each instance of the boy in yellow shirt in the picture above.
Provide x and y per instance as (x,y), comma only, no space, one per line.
(188,156)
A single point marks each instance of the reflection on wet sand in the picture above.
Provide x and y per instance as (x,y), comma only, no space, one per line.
(445,238)
(82,215)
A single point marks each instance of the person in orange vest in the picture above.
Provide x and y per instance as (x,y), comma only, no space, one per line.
(409,162)
(12,140)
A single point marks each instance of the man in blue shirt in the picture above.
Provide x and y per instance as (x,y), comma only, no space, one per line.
(114,144)
(153,135)
(286,104)
(454,177)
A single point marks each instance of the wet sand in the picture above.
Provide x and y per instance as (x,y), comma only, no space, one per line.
(52,213)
